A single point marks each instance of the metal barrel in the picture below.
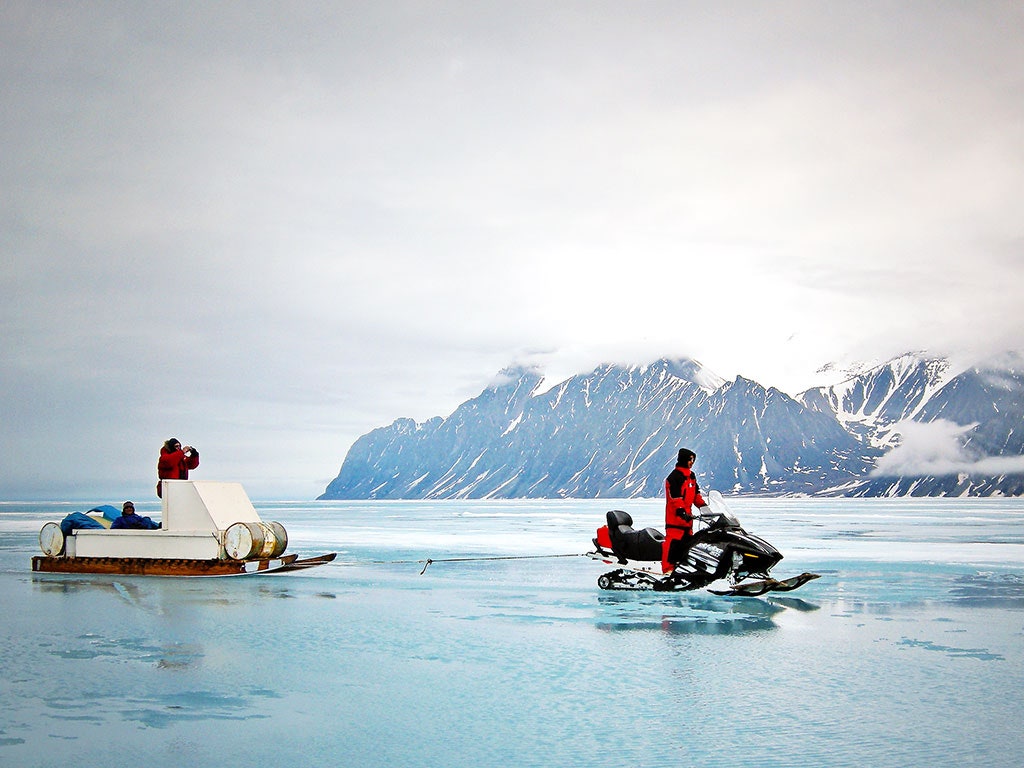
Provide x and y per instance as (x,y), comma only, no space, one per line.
(243,541)
(51,540)
(281,538)
(255,541)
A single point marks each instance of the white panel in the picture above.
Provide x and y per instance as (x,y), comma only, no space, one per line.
(226,503)
(183,509)
(198,545)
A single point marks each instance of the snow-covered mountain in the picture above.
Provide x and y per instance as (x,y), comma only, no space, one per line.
(945,432)
(870,404)
(911,426)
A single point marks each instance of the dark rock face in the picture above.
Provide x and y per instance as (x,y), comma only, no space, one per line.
(615,431)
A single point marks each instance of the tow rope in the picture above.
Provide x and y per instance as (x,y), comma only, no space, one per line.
(430,560)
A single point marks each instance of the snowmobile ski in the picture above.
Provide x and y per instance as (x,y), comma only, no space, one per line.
(757,588)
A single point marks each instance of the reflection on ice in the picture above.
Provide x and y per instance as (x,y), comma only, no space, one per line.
(794,603)
(692,613)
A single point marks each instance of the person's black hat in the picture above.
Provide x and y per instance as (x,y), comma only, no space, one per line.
(685,454)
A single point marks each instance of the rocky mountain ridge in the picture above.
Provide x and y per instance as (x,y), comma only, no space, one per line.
(910,426)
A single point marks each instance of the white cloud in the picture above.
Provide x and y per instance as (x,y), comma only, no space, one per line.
(937,448)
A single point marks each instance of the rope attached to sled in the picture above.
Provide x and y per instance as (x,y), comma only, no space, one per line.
(430,560)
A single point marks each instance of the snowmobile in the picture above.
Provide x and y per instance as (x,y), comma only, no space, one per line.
(718,550)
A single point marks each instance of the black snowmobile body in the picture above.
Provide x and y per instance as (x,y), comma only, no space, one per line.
(721,549)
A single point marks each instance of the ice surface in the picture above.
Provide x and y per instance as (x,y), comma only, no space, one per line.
(908,651)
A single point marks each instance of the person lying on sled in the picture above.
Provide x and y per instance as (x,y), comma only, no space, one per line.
(681,495)
(129,519)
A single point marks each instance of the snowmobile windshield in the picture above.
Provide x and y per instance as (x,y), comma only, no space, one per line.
(717,520)
(721,516)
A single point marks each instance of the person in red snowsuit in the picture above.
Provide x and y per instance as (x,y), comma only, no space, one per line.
(175,462)
(681,495)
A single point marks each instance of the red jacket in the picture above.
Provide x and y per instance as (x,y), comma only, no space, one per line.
(174,465)
(681,494)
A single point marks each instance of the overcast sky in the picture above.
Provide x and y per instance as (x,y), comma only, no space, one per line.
(266,228)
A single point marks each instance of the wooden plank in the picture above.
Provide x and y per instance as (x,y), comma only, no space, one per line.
(138,566)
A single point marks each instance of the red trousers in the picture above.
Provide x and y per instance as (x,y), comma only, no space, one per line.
(671,535)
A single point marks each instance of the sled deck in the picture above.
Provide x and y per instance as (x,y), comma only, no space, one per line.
(138,566)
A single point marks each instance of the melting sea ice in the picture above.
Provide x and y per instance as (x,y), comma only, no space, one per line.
(908,651)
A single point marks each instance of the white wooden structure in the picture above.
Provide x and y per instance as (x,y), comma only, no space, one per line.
(208,529)
(195,515)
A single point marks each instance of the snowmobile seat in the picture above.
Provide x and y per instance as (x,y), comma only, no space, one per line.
(630,544)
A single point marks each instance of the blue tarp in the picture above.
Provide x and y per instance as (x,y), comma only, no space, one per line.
(78,520)
(109,512)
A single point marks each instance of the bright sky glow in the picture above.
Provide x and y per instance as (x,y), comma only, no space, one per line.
(267,228)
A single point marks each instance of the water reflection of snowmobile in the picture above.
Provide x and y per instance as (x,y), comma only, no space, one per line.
(719,550)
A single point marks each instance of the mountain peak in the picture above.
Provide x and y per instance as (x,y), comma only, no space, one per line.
(690,370)
(515,376)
